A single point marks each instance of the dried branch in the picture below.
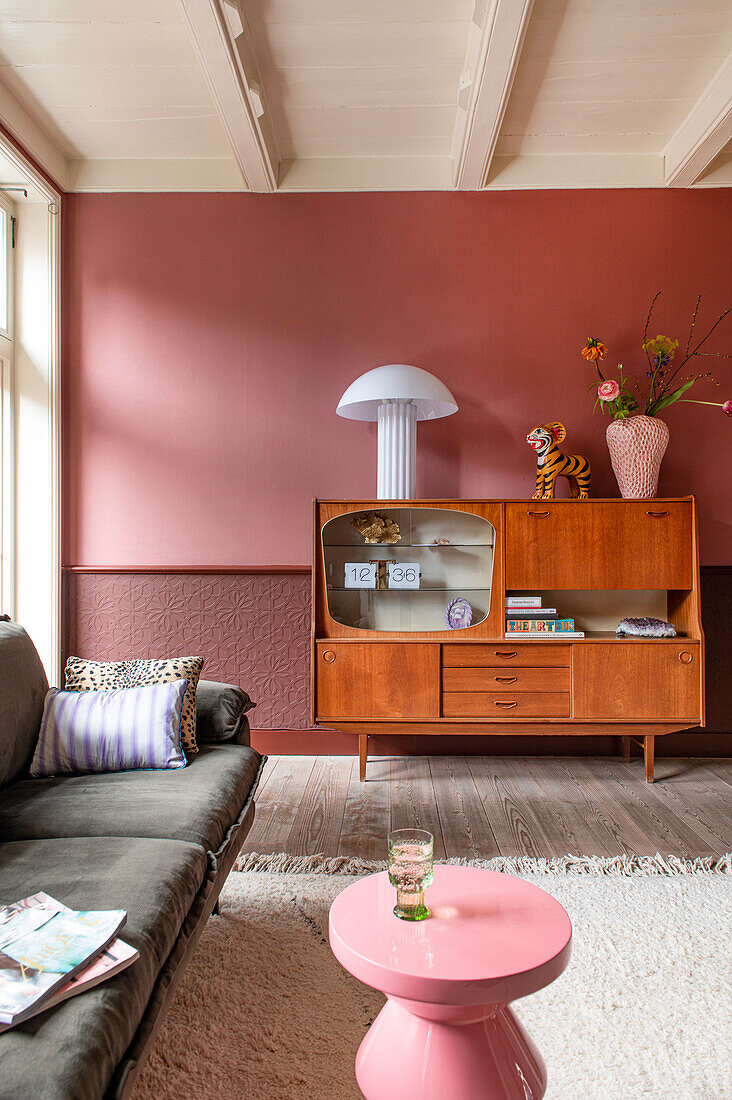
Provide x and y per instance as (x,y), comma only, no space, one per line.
(648,318)
(703,340)
(693,322)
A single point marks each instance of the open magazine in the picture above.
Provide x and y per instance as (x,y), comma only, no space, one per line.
(49,952)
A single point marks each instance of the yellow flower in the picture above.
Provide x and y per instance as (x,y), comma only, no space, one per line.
(661,345)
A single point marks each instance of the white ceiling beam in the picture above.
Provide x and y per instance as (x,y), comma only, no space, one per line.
(36,142)
(221,41)
(493,57)
(703,134)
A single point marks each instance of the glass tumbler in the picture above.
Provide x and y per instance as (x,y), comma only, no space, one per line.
(410,871)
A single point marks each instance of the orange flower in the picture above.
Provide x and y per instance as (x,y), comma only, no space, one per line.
(594,349)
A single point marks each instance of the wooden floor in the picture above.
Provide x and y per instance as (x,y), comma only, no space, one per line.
(480,807)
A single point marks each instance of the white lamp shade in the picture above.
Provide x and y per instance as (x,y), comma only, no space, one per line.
(396,382)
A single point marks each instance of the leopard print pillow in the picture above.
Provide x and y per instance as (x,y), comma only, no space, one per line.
(83,675)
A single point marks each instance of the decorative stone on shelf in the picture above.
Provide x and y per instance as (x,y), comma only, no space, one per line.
(375,527)
(458,613)
(646,628)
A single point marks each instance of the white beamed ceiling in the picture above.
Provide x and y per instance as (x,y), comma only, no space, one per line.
(352,95)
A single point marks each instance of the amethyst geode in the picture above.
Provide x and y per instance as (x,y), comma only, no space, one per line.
(458,613)
(645,628)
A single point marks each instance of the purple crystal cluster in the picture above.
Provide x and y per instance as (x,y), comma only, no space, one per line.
(646,628)
(458,613)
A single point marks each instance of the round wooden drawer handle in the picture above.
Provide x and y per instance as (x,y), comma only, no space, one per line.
(506,706)
(506,679)
(329,656)
(505,656)
(685,657)
(657,515)
(537,514)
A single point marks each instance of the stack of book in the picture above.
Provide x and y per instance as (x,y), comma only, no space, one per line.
(526,616)
(49,953)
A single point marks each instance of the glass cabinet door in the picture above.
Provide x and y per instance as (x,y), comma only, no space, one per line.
(408,569)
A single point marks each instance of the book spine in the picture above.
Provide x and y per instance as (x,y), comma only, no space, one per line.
(531,613)
(523,601)
(536,626)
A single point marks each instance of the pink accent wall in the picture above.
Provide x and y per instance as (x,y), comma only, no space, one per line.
(207,339)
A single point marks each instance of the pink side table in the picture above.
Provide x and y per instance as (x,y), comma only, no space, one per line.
(446,1031)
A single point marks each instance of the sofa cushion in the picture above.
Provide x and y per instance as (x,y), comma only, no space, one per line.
(197,804)
(84,675)
(70,1052)
(220,710)
(23,687)
(110,731)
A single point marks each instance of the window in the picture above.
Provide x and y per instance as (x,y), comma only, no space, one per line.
(7,509)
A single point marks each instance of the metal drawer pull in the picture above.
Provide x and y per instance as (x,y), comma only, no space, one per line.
(505,656)
(506,679)
(530,513)
(506,706)
(329,656)
(685,657)
(656,515)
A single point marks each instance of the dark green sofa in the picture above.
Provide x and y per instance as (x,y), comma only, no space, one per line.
(159,844)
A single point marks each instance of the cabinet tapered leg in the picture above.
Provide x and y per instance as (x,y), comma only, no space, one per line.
(626,749)
(649,748)
(363,743)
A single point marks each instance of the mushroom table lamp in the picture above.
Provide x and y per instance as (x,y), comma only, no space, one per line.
(396,396)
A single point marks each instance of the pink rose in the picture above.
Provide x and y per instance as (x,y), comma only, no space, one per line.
(608,391)
(727,407)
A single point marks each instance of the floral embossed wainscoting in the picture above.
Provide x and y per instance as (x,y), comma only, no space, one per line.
(251,627)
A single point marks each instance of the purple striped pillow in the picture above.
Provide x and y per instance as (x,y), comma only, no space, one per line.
(111,731)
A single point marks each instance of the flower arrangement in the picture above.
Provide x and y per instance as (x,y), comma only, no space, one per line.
(666,385)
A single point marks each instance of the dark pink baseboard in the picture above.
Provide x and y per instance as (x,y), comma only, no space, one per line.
(323,742)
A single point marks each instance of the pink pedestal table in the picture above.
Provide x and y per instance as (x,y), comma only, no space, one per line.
(446,1031)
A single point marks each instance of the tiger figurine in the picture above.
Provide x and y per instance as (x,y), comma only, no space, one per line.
(551,463)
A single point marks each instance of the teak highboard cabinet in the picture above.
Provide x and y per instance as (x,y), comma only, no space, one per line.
(385,661)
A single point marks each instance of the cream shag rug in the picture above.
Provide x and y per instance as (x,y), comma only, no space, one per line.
(264,1012)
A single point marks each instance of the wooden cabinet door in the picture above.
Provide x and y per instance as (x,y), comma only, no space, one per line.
(644,680)
(599,544)
(377,680)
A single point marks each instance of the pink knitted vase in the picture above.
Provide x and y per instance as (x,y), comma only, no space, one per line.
(636,447)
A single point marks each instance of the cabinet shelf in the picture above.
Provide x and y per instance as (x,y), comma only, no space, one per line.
(407,545)
(406,591)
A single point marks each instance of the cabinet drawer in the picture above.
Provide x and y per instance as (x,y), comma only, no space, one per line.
(505,704)
(599,544)
(505,679)
(525,655)
(638,680)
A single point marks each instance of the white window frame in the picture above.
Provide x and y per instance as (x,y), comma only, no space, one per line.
(7,436)
(34,385)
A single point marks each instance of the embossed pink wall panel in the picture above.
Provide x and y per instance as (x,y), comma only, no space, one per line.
(253,630)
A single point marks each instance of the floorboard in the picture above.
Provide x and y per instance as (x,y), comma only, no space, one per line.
(319,818)
(413,803)
(478,807)
(367,808)
(277,803)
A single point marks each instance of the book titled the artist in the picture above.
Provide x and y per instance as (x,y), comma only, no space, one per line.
(539,626)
